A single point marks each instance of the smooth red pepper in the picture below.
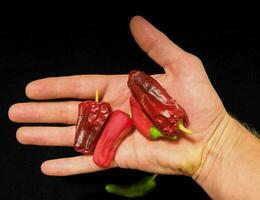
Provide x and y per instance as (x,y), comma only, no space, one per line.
(142,122)
(92,117)
(117,127)
(161,108)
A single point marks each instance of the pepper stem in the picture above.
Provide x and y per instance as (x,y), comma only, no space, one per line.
(154,176)
(155,133)
(183,129)
(97,96)
(175,137)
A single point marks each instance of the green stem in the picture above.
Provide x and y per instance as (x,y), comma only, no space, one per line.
(183,129)
(154,176)
(155,133)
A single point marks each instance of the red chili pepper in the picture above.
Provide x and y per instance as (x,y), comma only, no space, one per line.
(162,109)
(117,127)
(142,122)
(92,117)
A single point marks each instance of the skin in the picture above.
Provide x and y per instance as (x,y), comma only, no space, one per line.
(207,156)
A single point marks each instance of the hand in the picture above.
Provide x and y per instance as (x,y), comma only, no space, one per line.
(185,79)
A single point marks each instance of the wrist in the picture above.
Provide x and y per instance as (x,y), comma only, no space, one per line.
(226,159)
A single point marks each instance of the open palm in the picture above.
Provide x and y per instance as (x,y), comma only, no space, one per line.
(185,80)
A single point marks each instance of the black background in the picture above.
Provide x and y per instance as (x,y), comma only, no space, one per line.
(30,51)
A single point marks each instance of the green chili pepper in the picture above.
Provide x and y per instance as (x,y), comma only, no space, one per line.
(139,189)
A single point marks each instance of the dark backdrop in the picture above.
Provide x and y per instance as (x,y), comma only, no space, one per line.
(230,54)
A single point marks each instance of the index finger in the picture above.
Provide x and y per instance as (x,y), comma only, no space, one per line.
(76,86)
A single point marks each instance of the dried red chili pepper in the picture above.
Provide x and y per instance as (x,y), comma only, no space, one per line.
(92,117)
(118,126)
(162,109)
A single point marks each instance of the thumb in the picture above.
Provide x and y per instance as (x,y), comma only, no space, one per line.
(157,45)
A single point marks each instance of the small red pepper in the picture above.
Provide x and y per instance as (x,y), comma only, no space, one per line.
(162,109)
(142,122)
(117,127)
(92,117)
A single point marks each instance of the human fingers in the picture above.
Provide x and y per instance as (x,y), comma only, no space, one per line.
(78,86)
(45,112)
(70,166)
(46,136)
(158,46)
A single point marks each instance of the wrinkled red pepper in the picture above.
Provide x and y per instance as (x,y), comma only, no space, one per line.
(161,108)
(92,117)
(117,127)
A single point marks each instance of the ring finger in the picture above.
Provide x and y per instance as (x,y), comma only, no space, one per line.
(46,136)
